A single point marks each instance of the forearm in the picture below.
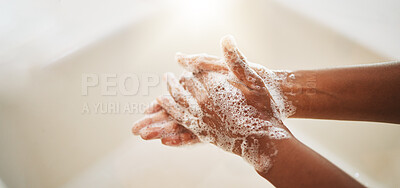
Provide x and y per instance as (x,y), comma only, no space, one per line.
(365,93)
(296,165)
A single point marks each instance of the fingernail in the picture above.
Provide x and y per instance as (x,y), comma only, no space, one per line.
(147,134)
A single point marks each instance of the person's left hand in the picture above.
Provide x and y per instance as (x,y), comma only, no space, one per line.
(231,109)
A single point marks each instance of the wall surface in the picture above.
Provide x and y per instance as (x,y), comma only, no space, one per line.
(46,140)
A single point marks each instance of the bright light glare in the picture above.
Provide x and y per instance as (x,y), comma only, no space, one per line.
(200,12)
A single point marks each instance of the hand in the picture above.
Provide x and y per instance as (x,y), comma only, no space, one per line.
(206,99)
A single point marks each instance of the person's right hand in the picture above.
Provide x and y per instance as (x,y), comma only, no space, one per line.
(231,108)
(251,126)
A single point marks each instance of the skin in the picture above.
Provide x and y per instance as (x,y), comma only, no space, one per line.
(322,94)
(359,93)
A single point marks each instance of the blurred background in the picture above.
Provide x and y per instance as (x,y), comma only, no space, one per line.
(47,139)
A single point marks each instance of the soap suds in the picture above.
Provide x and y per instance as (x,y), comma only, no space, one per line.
(242,122)
(273,82)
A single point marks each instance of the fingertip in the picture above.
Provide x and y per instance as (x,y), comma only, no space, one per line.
(133,130)
(160,99)
(232,55)
(188,62)
(179,56)
(144,134)
(167,76)
(228,43)
(171,127)
(149,119)
(150,133)
(139,124)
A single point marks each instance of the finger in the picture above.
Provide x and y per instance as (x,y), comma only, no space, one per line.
(237,63)
(149,119)
(204,62)
(178,93)
(264,73)
(165,129)
(201,62)
(184,138)
(149,133)
(194,87)
(181,96)
(153,108)
(188,138)
(172,108)
(172,140)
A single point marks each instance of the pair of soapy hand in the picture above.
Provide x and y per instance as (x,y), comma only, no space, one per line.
(227,101)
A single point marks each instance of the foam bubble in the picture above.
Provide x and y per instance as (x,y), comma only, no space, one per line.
(273,81)
(241,121)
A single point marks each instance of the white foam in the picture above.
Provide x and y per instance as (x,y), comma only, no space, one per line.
(273,81)
(241,121)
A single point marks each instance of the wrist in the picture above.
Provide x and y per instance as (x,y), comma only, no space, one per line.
(270,147)
(299,89)
(274,150)
(279,83)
